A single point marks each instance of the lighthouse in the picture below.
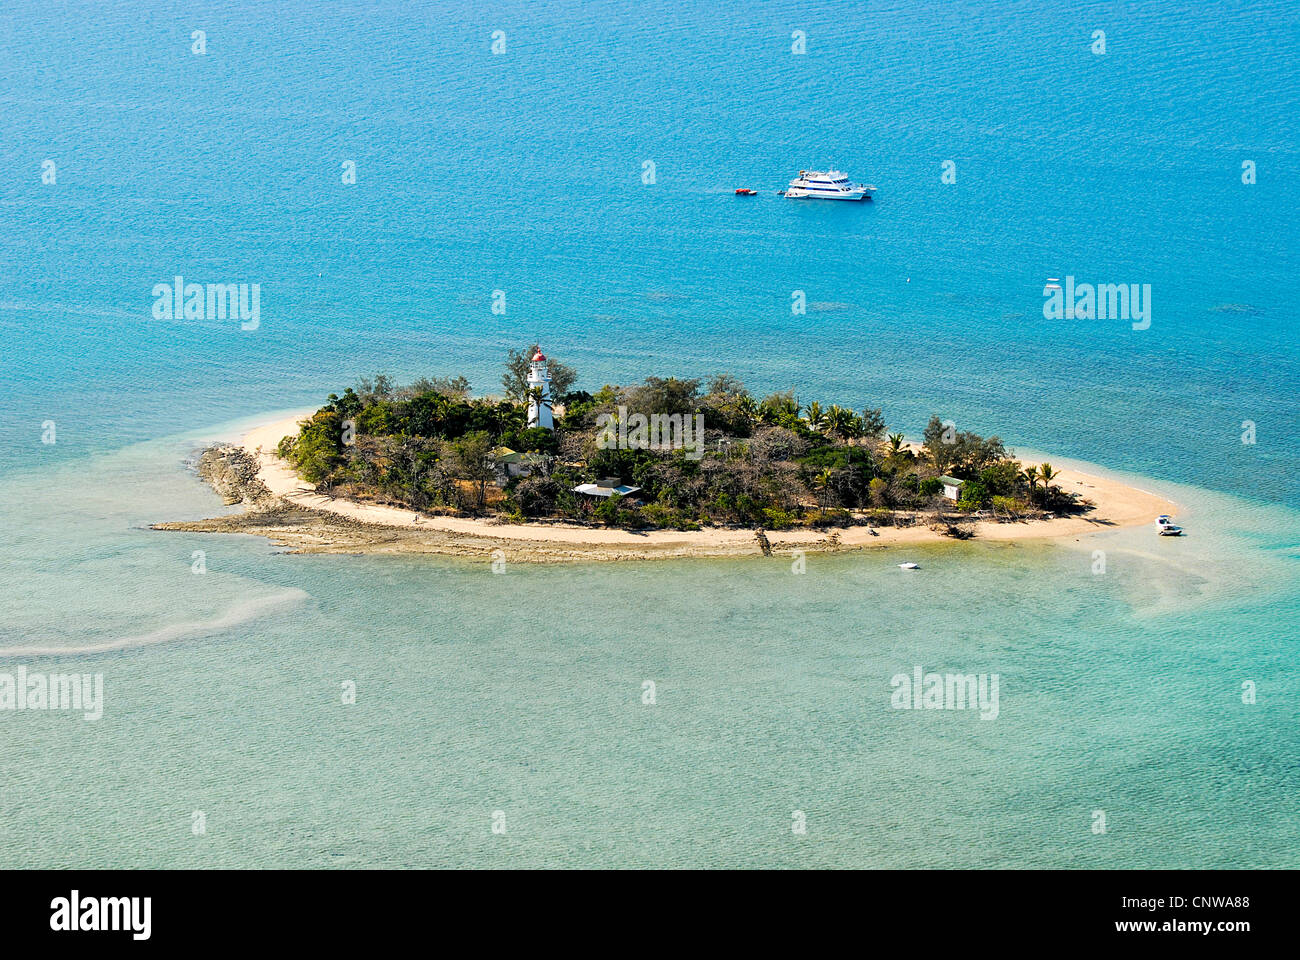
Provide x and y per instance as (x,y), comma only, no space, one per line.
(539,394)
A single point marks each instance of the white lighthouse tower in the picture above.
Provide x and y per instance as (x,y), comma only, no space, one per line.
(539,394)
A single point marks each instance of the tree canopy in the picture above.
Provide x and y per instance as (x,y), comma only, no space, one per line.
(773,463)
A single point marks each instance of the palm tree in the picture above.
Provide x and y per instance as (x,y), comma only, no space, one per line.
(1048,475)
(823,484)
(842,422)
(1030,476)
(816,417)
(895,444)
(748,407)
(779,408)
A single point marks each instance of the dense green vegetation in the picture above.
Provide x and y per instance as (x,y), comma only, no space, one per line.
(773,463)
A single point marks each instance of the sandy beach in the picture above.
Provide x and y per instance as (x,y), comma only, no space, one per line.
(314,523)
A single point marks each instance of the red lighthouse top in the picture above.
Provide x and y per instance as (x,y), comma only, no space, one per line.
(538,358)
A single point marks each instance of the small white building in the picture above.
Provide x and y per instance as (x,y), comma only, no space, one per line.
(951,487)
(605,487)
(539,394)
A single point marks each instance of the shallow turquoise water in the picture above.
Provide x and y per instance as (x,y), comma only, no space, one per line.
(522,693)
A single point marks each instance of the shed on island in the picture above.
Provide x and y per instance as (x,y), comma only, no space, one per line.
(951,487)
(510,463)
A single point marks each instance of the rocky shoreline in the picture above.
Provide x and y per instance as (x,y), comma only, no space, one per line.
(232,472)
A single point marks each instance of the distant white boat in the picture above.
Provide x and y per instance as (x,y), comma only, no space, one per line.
(1166,527)
(909,566)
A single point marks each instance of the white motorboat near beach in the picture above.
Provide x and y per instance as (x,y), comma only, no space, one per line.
(1166,527)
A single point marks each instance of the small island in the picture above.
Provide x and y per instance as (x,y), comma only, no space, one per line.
(665,467)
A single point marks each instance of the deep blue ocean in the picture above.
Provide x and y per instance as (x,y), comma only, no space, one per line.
(526,172)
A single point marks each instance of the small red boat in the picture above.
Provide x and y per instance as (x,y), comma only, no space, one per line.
(745,192)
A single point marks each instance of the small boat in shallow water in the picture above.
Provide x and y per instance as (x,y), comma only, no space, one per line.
(909,566)
(1166,527)
(745,192)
